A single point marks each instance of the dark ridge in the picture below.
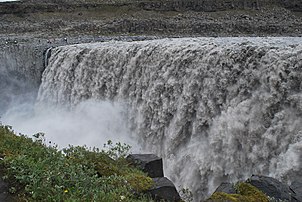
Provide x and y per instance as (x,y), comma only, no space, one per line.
(30,6)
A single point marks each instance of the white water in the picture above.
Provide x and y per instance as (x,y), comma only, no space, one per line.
(215,109)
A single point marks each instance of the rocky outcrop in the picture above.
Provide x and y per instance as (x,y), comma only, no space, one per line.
(273,188)
(20,75)
(149,163)
(244,192)
(163,189)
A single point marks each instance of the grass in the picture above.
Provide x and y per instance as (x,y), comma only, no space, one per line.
(37,172)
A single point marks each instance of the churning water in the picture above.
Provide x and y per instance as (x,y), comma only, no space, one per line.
(216,109)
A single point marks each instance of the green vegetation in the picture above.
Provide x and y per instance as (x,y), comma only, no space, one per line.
(37,172)
(245,193)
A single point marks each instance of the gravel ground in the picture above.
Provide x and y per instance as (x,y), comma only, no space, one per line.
(94,20)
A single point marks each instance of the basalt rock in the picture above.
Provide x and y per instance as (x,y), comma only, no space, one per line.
(227,188)
(164,189)
(149,163)
(273,188)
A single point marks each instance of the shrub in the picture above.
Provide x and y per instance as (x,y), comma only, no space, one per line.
(37,172)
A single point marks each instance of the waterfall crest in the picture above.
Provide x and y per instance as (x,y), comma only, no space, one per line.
(215,109)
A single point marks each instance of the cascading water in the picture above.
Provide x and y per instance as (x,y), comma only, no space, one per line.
(215,109)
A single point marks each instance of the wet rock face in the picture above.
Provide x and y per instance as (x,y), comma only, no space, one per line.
(21,69)
(270,188)
(296,186)
(23,60)
(226,187)
(273,188)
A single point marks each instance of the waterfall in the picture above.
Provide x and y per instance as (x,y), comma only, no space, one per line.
(216,109)
(47,56)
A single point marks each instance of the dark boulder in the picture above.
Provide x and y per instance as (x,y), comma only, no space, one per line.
(273,188)
(149,163)
(296,187)
(164,190)
(226,187)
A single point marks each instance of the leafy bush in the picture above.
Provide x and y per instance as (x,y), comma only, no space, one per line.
(38,172)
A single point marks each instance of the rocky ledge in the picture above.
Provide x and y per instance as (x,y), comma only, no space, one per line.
(258,188)
(163,189)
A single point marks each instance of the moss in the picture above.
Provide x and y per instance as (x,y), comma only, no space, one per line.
(139,182)
(245,193)
(251,192)
(224,197)
(106,169)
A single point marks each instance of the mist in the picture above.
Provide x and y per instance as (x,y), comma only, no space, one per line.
(91,123)
(15,90)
